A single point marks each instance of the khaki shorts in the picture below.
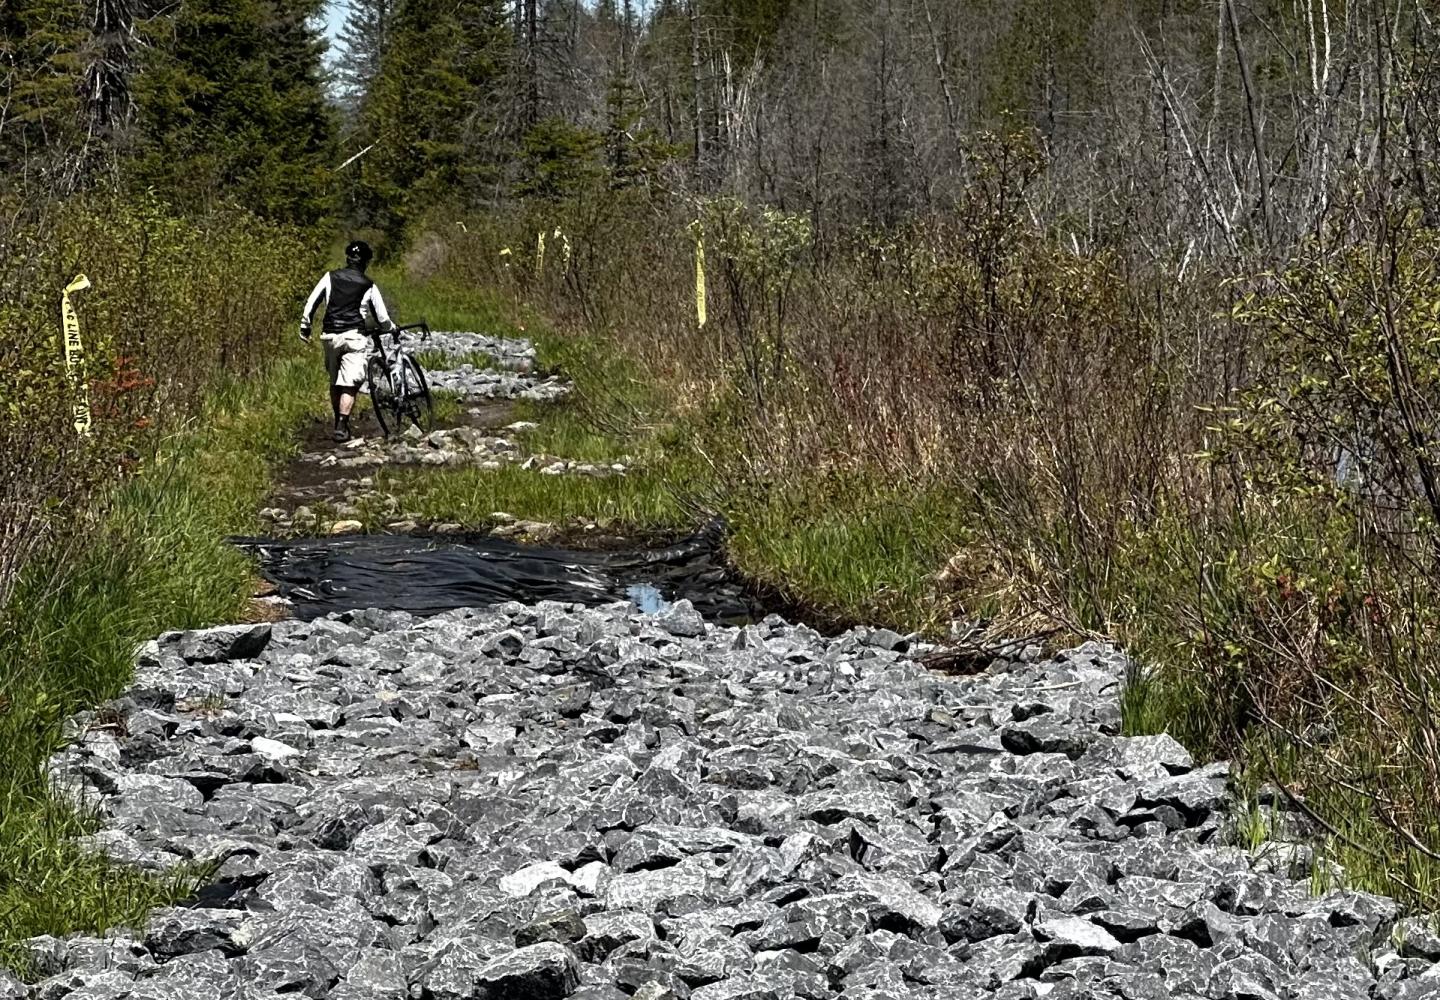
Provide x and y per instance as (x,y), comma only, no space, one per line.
(345,357)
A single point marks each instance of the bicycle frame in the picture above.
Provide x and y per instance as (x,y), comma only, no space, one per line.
(393,363)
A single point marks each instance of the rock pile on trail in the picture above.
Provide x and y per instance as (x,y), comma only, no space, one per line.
(511,354)
(509,371)
(550,801)
(470,382)
(451,447)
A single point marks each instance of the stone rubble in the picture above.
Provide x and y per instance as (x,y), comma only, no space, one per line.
(510,354)
(470,382)
(450,447)
(551,801)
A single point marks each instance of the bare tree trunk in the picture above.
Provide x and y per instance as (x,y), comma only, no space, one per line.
(696,108)
(1257,137)
(1215,89)
(532,63)
(951,118)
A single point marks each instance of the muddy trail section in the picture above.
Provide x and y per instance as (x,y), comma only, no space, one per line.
(337,542)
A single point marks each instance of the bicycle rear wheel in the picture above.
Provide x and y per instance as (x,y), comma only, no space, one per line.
(418,404)
(382,396)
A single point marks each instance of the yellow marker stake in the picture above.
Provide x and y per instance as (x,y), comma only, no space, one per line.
(699,276)
(540,253)
(75,356)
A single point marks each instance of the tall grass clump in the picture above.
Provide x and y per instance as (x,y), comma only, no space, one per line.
(114,537)
(1227,463)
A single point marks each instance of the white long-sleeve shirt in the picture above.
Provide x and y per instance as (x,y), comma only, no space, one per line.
(372,305)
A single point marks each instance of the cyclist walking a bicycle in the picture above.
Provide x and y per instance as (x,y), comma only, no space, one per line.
(353,306)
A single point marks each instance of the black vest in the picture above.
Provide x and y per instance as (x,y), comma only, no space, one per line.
(342,310)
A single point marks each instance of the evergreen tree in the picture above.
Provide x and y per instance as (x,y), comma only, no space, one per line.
(41,113)
(434,108)
(232,104)
(363,40)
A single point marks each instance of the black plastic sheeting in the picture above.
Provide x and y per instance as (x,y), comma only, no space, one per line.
(429,575)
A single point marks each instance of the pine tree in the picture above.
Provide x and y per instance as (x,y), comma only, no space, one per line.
(41,72)
(364,38)
(232,105)
(433,108)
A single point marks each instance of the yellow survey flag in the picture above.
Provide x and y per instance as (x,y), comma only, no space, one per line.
(75,356)
(699,275)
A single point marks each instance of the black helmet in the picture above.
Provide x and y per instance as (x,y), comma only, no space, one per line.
(358,252)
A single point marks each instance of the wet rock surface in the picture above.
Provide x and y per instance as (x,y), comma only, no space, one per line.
(551,801)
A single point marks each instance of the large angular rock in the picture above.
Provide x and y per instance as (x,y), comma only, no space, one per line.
(604,932)
(649,891)
(228,642)
(547,971)
(180,931)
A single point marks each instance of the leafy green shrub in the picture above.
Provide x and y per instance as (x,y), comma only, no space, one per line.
(111,537)
(174,304)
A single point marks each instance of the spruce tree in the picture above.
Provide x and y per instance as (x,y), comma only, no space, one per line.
(41,113)
(232,105)
(364,38)
(434,108)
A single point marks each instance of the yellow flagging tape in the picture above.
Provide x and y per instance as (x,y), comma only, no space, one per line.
(699,275)
(540,253)
(75,356)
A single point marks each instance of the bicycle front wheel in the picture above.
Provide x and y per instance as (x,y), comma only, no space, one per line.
(382,396)
(418,404)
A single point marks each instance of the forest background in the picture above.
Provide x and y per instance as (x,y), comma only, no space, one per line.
(1116,317)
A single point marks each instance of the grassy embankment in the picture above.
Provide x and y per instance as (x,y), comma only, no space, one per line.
(157,561)
(847,547)
(117,535)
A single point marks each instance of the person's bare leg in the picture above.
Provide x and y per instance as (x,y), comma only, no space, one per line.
(342,401)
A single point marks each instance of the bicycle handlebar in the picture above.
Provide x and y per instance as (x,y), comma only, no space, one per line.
(377,333)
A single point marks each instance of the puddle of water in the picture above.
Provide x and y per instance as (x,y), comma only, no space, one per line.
(428,575)
(647,597)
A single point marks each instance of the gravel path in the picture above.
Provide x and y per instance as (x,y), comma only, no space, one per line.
(546,802)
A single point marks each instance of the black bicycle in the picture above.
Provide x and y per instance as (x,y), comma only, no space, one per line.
(398,388)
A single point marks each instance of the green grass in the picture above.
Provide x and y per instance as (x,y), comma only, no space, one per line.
(447,407)
(641,502)
(446,305)
(852,549)
(157,561)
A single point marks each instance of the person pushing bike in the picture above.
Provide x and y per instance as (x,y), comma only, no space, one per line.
(353,304)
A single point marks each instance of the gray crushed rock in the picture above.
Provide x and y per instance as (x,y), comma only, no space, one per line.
(512,377)
(510,353)
(551,801)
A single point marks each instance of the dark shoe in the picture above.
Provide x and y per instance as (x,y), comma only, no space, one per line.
(341,434)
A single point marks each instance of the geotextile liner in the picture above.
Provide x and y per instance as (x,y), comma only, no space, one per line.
(427,575)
